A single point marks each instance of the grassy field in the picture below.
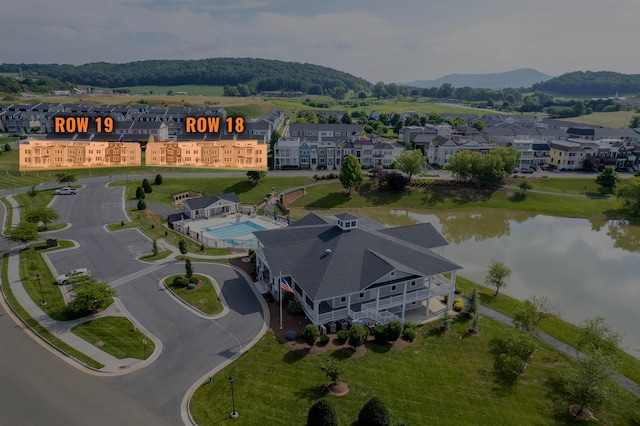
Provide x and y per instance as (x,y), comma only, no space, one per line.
(333,196)
(32,264)
(586,186)
(204,298)
(438,379)
(35,325)
(191,89)
(116,336)
(553,325)
(247,192)
(616,119)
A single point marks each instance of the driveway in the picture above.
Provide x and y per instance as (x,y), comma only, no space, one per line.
(193,345)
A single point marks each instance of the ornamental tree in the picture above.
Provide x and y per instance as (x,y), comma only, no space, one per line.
(497,276)
(23,232)
(41,214)
(608,178)
(351,175)
(411,162)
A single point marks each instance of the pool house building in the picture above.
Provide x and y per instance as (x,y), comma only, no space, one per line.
(352,269)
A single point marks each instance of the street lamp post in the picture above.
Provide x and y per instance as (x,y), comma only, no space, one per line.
(234,413)
(40,286)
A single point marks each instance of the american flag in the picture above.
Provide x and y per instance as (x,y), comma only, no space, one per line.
(284,285)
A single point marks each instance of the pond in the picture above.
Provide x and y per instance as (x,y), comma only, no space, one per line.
(587,268)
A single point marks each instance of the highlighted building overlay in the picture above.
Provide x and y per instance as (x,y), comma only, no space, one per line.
(237,154)
(68,154)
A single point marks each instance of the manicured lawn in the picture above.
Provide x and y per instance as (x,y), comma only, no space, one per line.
(439,379)
(333,196)
(247,192)
(553,325)
(615,119)
(204,298)
(35,325)
(161,255)
(583,186)
(116,336)
(41,199)
(32,264)
(9,209)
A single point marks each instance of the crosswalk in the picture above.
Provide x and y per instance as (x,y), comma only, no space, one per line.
(138,274)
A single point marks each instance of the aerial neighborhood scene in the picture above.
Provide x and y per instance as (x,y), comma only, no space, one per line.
(281,213)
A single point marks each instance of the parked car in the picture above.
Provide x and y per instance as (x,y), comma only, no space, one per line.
(64,278)
(527,170)
(66,191)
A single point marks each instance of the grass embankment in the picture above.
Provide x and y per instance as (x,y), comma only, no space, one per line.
(151,257)
(9,209)
(247,192)
(32,264)
(116,336)
(204,297)
(443,198)
(438,379)
(152,225)
(553,325)
(582,186)
(35,325)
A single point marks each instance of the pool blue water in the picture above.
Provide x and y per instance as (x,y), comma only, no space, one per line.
(233,230)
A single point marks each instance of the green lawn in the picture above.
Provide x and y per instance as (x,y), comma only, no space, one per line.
(41,199)
(9,209)
(191,89)
(439,379)
(586,186)
(161,255)
(204,298)
(32,264)
(553,325)
(333,196)
(116,336)
(616,119)
(35,325)
(247,192)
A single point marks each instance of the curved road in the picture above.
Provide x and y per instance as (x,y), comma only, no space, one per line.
(40,388)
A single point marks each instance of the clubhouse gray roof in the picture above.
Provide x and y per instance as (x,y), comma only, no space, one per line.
(200,203)
(357,259)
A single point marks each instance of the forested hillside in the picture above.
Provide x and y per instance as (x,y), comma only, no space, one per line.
(13,85)
(247,74)
(590,83)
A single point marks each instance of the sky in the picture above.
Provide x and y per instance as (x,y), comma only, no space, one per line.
(390,41)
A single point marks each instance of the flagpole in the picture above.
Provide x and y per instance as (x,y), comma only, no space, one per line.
(280,287)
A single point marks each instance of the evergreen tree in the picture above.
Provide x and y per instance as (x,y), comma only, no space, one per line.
(142,205)
(188,268)
(608,178)
(158,180)
(472,306)
(374,413)
(182,246)
(140,195)
(322,413)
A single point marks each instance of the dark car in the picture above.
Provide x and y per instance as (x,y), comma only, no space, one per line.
(527,170)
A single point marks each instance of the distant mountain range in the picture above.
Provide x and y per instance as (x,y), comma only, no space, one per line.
(524,77)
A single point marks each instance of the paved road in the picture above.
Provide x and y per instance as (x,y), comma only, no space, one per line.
(193,345)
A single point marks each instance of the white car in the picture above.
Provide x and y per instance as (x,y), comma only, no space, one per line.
(66,191)
(64,278)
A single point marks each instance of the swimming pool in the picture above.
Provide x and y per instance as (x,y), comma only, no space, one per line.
(232,230)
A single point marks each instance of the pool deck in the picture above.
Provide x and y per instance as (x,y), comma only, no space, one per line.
(199,225)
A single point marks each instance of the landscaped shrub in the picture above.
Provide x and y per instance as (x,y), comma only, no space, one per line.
(147,186)
(158,180)
(140,193)
(458,304)
(310,334)
(322,413)
(394,330)
(374,413)
(380,334)
(358,335)
(324,339)
(294,307)
(410,334)
(182,246)
(142,205)
(193,280)
(409,331)
(343,335)
(180,281)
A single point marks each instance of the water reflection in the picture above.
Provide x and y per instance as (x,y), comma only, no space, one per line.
(587,268)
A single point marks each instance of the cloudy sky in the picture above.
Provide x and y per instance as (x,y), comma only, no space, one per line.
(390,41)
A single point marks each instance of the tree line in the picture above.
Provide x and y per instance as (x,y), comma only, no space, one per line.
(598,83)
(252,75)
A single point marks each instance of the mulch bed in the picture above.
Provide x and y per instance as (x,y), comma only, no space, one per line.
(297,323)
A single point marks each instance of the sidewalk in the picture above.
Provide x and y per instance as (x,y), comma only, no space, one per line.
(623,381)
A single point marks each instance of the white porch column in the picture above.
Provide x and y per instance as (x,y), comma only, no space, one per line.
(404,301)
(429,295)
(452,292)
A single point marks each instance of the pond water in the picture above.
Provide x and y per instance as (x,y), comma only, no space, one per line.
(587,268)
